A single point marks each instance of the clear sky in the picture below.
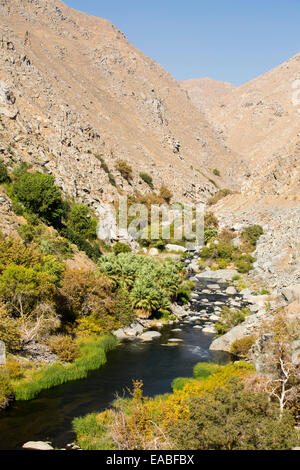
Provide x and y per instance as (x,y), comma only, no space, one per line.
(228,40)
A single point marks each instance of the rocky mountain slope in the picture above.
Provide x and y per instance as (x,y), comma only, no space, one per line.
(72,87)
(260,121)
(205,92)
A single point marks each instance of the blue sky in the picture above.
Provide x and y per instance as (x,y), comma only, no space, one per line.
(228,40)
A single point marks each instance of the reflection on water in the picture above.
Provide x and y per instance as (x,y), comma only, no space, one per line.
(49,416)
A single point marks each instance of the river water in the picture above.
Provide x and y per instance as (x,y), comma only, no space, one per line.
(49,417)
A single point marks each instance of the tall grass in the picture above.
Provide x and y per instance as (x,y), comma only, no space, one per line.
(92,355)
(202,371)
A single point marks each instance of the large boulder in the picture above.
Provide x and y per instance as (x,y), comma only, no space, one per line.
(37,445)
(2,353)
(150,335)
(292,293)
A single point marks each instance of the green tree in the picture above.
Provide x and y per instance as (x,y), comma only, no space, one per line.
(80,222)
(39,195)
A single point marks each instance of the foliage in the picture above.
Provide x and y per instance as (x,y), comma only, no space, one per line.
(9,332)
(216,172)
(79,221)
(241,347)
(147,179)
(90,249)
(3,173)
(210,221)
(244,263)
(184,292)
(218,196)
(229,319)
(65,347)
(6,391)
(121,248)
(209,235)
(39,195)
(233,419)
(125,169)
(252,234)
(92,355)
(151,284)
(165,193)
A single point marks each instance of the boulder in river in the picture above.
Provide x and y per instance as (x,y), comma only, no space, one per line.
(150,335)
(37,445)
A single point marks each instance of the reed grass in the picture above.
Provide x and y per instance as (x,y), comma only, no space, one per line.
(92,355)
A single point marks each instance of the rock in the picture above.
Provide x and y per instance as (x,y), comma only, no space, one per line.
(223,274)
(176,330)
(206,291)
(150,335)
(37,445)
(231,290)
(2,353)
(209,329)
(193,319)
(153,252)
(296,352)
(246,292)
(213,286)
(175,340)
(214,317)
(193,267)
(177,248)
(120,334)
(292,293)
(293,308)
(197,327)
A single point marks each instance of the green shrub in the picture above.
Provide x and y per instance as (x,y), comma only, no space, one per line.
(184,292)
(216,172)
(252,234)
(147,179)
(241,347)
(6,392)
(79,221)
(125,169)
(202,370)
(3,173)
(165,193)
(65,347)
(210,235)
(232,418)
(180,382)
(229,319)
(38,193)
(244,263)
(121,248)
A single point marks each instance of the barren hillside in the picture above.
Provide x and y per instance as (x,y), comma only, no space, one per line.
(72,87)
(205,92)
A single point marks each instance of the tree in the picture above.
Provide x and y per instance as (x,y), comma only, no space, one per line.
(39,195)
(80,222)
(275,357)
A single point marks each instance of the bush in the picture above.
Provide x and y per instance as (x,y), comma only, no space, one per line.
(234,419)
(229,319)
(38,193)
(65,348)
(81,223)
(218,196)
(203,370)
(244,263)
(125,169)
(210,221)
(184,292)
(165,194)
(3,173)
(14,370)
(121,248)
(9,332)
(241,347)
(147,179)
(252,234)
(216,172)
(6,392)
